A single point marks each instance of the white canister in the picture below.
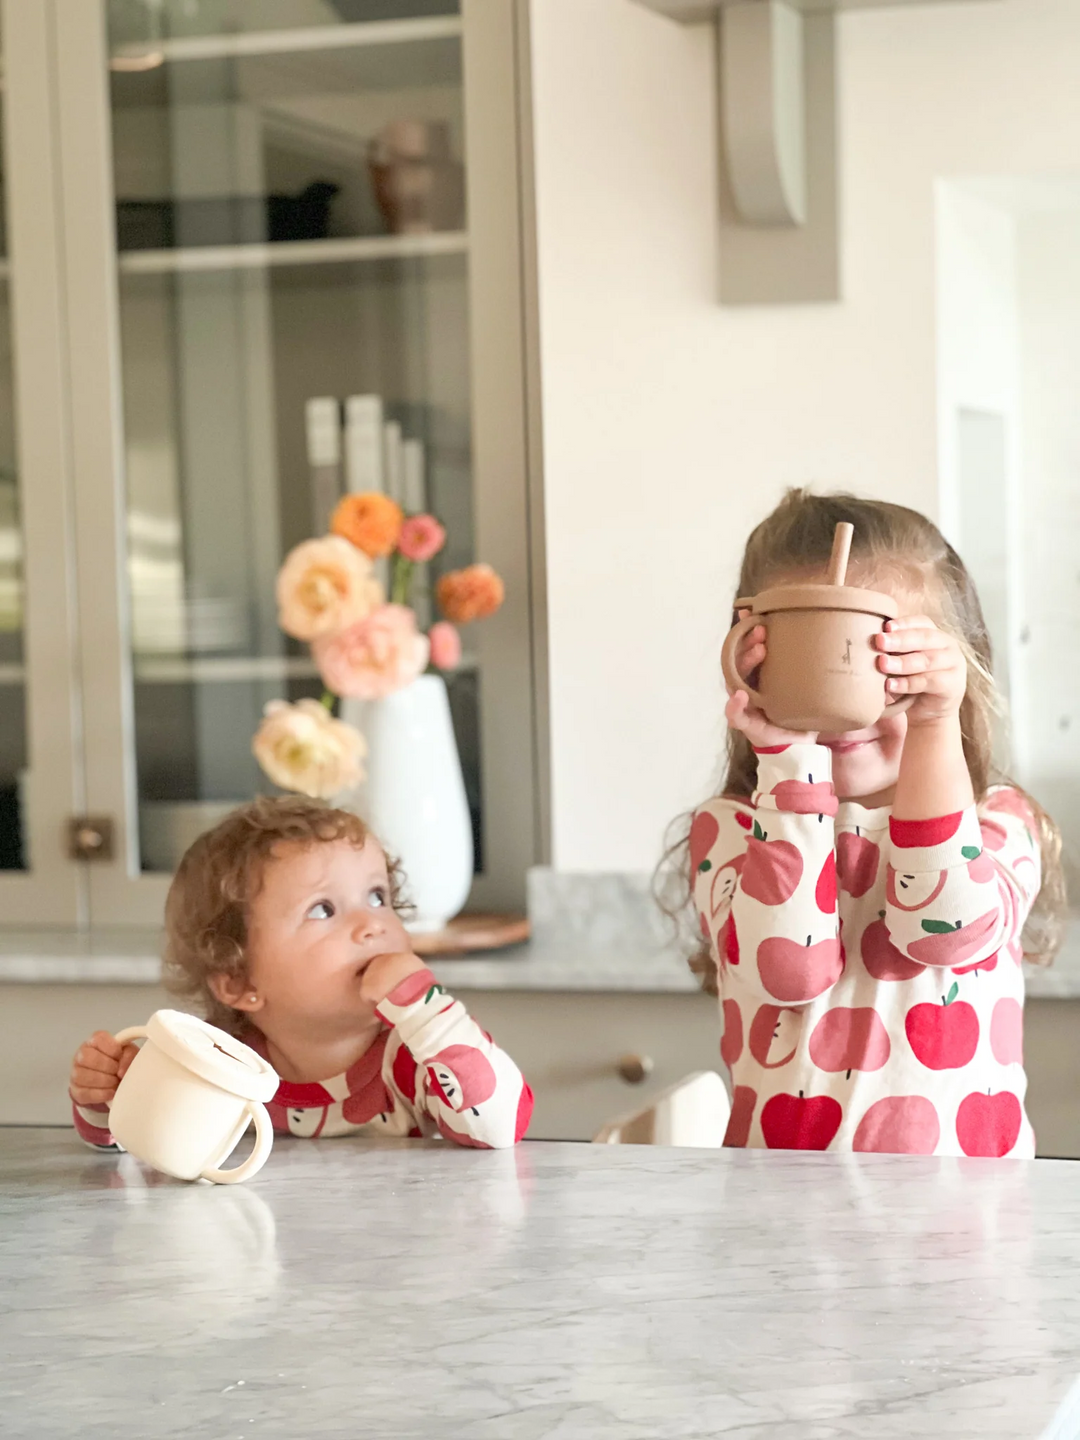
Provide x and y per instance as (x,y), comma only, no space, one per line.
(188,1097)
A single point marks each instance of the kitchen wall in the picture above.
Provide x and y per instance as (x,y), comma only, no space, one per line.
(670,423)
(1048,289)
(980,460)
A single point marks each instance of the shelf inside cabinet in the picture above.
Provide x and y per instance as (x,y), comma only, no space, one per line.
(292,252)
(151,55)
(187,670)
(222,669)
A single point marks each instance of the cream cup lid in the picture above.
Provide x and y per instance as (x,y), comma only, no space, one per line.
(213,1055)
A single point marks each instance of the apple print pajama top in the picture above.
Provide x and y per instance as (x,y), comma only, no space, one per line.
(431,1071)
(870,968)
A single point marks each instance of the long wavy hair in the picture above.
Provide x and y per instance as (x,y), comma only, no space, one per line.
(893,547)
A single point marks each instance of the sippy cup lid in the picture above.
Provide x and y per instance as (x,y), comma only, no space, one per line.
(213,1055)
(820,597)
(833,595)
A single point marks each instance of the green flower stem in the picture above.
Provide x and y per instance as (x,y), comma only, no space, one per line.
(401,580)
(328,698)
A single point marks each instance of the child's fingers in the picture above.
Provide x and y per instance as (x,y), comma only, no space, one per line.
(907,684)
(91,1094)
(102,1085)
(915,663)
(914,638)
(936,682)
(95,1079)
(918,662)
(106,1043)
(756,636)
(90,1059)
(912,622)
(750,651)
(735,711)
(130,1051)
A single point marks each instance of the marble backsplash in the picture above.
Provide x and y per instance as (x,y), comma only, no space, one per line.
(609,912)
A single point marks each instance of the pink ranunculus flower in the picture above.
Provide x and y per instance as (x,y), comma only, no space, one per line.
(325,585)
(421,538)
(370,660)
(445,645)
(303,748)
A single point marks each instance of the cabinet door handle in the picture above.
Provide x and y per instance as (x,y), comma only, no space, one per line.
(90,837)
(635,1068)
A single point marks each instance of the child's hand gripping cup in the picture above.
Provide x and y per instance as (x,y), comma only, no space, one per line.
(820,672)
(189,1096)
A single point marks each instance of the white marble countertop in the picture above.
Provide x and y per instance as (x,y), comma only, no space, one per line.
(572,1292)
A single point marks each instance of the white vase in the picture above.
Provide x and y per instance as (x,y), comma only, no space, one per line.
(414,796)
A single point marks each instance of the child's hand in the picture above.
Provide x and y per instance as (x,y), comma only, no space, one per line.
(926,662)
(100,1064)
(741,713)
(385,973)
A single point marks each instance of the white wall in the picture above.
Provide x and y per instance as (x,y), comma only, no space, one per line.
(980,424)
(1048,284)
(671,424)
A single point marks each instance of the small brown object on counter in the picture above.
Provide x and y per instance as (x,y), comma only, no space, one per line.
(470,934)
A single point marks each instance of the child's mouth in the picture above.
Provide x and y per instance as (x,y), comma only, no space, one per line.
(840,746)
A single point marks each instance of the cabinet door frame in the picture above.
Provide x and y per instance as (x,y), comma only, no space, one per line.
(508,516)
(52,892)
(119,894)
(507,484)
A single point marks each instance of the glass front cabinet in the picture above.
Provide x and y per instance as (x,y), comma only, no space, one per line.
(240,237)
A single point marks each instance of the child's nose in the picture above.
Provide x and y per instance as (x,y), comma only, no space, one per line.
(367,923)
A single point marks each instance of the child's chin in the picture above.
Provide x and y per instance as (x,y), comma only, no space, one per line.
(860,772)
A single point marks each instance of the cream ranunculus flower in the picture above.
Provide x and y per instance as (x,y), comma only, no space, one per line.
(323,586)
(303,748)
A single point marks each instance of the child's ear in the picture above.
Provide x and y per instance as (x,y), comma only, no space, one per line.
(236,991)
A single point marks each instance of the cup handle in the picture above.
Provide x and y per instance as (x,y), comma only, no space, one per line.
(732,679)
(897,707)
(264,1139)
(133,1032)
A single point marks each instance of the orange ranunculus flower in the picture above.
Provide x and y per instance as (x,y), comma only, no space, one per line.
(371,521)
(470,594)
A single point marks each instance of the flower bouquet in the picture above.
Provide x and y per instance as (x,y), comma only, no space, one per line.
(366,647)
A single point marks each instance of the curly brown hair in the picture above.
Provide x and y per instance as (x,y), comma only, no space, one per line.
(206,912)
(891,543)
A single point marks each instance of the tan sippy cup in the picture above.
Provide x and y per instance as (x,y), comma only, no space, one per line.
(820,669)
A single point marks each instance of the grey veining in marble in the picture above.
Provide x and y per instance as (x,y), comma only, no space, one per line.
(571,1292)
(590,932)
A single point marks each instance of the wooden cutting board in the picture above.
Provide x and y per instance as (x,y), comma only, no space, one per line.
(473,934)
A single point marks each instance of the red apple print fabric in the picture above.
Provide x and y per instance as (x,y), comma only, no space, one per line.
(873,999)
(431,1071)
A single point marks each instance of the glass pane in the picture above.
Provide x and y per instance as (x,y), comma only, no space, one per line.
(13,756)
(291,230)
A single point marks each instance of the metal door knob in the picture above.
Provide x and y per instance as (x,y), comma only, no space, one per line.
(90,837)
(635,1068)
